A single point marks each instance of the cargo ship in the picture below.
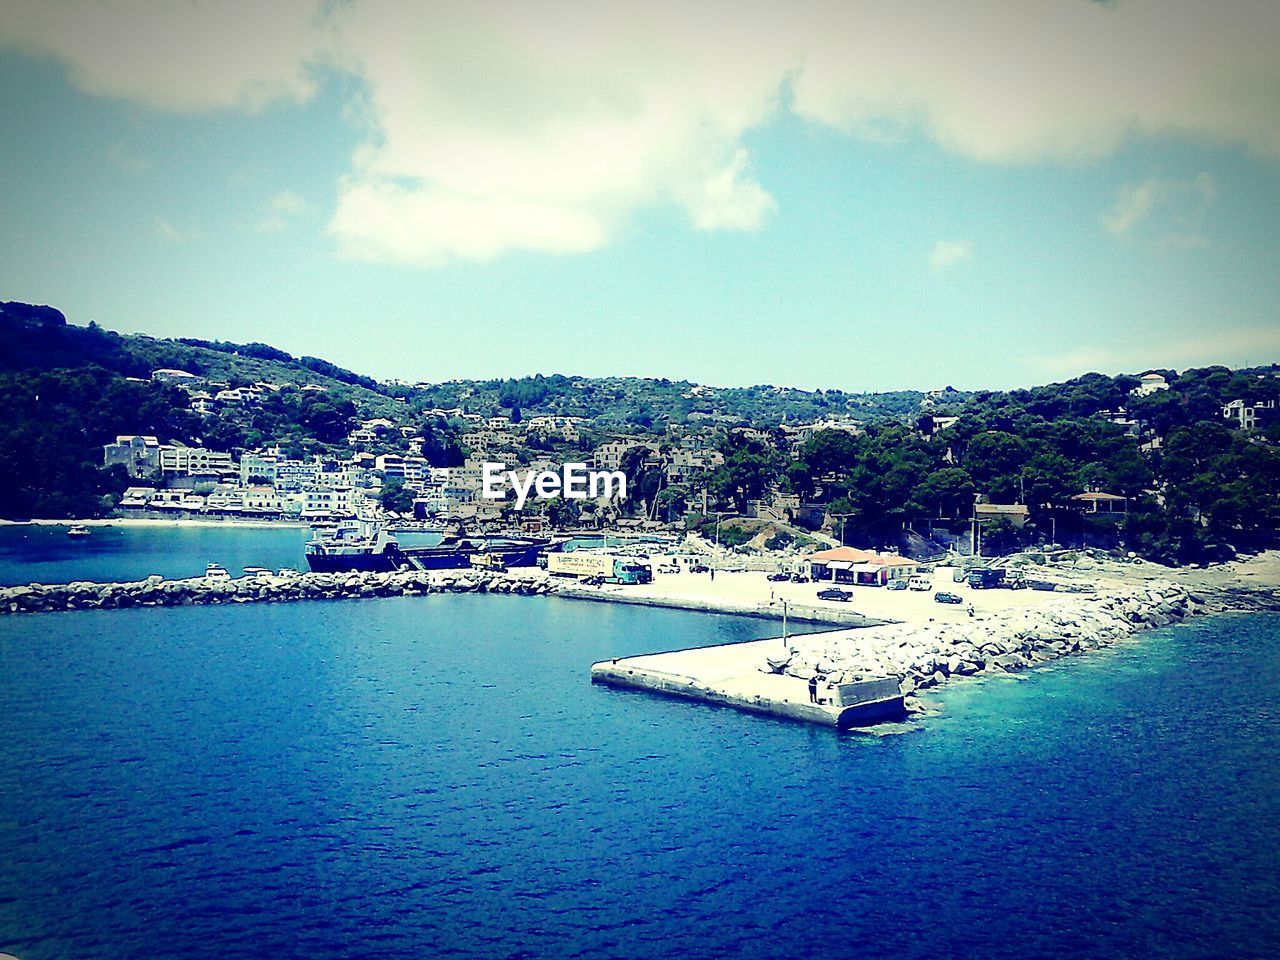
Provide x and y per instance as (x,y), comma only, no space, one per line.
(365,545)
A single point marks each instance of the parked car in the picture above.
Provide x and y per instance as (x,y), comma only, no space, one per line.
(944,596)
(779,577)
(919,583)
(835,593)
(699,568)
(896,585)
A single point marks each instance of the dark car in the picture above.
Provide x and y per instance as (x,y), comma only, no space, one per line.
(779,577)
(943,596)
(835,593)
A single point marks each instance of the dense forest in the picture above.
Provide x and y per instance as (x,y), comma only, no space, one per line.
(1196,489)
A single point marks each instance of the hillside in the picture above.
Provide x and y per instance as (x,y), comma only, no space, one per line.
(640,403)
(36,338)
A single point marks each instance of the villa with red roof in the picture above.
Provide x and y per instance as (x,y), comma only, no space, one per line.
(864,567)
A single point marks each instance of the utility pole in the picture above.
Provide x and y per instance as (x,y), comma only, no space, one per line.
(842,517)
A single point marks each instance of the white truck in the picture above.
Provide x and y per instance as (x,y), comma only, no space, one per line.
(604,567)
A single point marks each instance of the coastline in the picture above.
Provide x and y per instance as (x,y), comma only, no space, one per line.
(156,522)
(1100,604)
(900,637)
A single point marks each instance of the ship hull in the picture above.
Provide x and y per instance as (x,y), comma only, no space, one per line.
(425,558)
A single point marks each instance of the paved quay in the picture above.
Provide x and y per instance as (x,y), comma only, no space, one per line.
(735,675)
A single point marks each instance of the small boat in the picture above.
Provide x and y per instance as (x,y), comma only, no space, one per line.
(216,571)
(258,572)
(78,530)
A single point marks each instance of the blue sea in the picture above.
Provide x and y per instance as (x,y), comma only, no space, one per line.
(436,777)
(31,553)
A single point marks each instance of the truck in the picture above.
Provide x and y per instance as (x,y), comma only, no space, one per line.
(985,578)
(600,567)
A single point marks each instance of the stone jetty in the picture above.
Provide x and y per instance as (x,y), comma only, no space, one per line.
(928,655)
(874,674)
(158,592)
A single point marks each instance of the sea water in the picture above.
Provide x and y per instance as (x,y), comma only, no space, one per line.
(43,553)
(436,777)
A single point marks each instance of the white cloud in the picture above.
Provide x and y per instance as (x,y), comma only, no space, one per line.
(179,55)
(281,209)
(948,252)
(496,126)
(1178,206)
(1131,207)
(1026,80)
(508,127)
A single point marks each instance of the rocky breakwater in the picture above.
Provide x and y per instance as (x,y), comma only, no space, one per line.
(928,655)
(158,592)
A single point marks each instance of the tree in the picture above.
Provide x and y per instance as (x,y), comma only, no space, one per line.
(944,493)
(395,497)
(749,469)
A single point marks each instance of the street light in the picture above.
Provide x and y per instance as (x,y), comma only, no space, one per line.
(842,517)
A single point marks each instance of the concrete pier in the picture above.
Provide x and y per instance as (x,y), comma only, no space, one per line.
(829,614)
(729,675)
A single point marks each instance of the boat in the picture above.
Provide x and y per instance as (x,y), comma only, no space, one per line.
(78,530)
(216,571)
(257,572)
(365,545)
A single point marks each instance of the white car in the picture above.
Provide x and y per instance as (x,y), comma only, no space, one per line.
(919,583)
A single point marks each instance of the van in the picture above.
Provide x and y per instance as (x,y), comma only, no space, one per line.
(919,583)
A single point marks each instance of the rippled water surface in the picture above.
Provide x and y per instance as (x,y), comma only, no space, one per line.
(435,776)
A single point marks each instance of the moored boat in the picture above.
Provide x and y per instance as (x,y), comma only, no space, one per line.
(216,571)
(364,545)
(78,530)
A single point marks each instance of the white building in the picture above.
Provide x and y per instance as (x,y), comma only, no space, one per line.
(685,465)
(169,375)
(1148,384)
(334,502)
(188,461)
(608,456)
(1245,414)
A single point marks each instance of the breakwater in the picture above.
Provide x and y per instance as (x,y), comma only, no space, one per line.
(158,592)
(852,677)
(931,654)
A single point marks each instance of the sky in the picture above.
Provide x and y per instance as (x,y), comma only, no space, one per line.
(818,193)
